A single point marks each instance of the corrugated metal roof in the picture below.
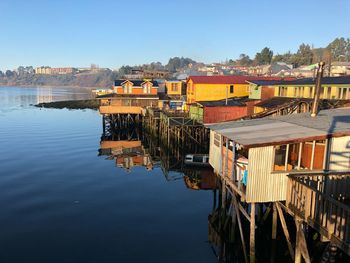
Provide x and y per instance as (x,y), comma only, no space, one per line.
(312,81)
(227,79)
(288,128)
(304,81)
(278,101)
(269,82)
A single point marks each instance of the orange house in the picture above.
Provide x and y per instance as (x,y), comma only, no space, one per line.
(135,87)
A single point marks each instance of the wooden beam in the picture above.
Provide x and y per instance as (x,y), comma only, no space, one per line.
(240,228)
(302,243)
(285,229)
(274,222)
(252,233)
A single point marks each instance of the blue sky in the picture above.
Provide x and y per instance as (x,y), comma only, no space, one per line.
(114,33)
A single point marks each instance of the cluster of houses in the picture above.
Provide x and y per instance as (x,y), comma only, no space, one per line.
(276,69)
(212,99)
(298,161)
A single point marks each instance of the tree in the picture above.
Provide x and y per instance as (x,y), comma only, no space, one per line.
(1,74)
(340,49)
(264,57)
(124,70)
(244,60)
(9,73)
(21,70)
(177,63)
(286,58)
(303,56)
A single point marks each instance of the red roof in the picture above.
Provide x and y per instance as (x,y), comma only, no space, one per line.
(227,79)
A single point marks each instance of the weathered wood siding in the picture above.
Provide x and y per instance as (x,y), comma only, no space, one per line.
(263,185)
(214,153)
(120,109)
(340,154)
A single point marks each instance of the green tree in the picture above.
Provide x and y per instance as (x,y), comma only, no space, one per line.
(340,49)
(286,58)
(9,73)
(264,57)
(244,60)
(177,63)
(303,56)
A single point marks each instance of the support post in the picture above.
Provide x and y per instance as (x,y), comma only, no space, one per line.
(240,227)
(252,233)
(285,229)
(274,221)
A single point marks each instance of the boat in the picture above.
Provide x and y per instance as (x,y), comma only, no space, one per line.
(197,159)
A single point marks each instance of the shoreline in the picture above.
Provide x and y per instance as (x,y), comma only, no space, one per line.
(49,86)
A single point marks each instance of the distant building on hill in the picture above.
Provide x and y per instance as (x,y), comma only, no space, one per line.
(340,69)
(54,71)
(147,74)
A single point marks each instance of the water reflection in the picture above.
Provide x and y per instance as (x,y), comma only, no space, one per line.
(26,96)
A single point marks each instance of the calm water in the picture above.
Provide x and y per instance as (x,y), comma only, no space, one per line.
(60,201)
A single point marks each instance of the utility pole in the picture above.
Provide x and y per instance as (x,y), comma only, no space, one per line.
(317,89)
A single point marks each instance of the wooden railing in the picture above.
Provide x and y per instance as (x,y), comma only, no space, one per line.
(322,201)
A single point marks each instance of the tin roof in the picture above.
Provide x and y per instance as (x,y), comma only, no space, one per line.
(304,81)
(287,129)
(227,79)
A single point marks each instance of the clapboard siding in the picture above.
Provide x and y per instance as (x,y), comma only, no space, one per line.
(263,185)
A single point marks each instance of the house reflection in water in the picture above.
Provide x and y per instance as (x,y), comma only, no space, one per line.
(127,154)
(200,179)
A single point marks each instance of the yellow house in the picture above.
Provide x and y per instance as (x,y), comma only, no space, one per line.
(174,87)
(333,88)
(209,88)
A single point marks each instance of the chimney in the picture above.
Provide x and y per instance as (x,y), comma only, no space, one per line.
(317,88)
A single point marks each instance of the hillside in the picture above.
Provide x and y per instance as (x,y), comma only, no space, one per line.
(101,79)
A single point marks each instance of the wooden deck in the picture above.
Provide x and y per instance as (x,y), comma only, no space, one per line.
(322,201)
(120,110)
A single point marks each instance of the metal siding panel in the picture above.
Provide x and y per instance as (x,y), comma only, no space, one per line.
(225,113)
(263,185)
(340,154)
(214,154)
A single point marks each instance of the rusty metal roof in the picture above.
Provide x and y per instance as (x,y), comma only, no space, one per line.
(286,129)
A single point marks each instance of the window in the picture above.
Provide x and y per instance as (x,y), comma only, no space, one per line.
(282,91)
(173,86)
(147,88)
(322,93)
(127,87)
(300,156)
(329,92)
(280,158)
(231,89)
(217,140)
(318,161)
(293,156)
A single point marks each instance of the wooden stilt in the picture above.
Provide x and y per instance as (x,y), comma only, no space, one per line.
(274,222)
(285,229)
(301,246)
(252,233)
(297,258)
(240,228)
